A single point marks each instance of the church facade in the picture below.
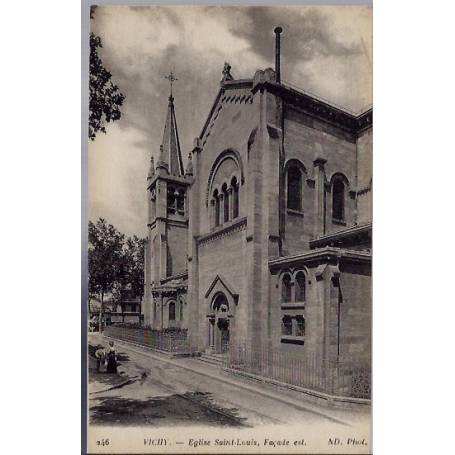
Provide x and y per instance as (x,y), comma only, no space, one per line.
(264,240)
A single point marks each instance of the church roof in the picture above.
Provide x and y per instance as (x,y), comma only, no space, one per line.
(171,153)
(242,91)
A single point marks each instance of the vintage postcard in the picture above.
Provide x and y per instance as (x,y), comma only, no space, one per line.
(230,229)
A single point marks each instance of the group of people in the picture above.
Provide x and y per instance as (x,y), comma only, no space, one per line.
(106,358)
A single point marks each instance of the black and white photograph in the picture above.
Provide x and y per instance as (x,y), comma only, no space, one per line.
(230,181)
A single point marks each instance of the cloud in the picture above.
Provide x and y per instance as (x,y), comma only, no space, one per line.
(325,50)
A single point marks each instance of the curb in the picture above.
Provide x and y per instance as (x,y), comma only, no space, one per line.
(265,393)
(312,393)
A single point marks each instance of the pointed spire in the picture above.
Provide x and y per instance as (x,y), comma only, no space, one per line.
(171,154)
(162,163)
(189,166)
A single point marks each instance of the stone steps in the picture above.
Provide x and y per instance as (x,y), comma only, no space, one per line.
(213,359)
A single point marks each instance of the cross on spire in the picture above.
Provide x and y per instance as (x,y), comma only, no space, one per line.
(171,78)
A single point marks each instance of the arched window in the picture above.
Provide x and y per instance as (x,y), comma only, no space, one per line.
(181,202)
(338,200)
(294,188)
(226,203)
(217,208)
(300,287)
(181,310)
(171,311)
(171,199)
(235,197)
(286,288)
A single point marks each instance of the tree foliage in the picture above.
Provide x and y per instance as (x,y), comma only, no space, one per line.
(115,263)
(105,253)
(105,96)
(130,282)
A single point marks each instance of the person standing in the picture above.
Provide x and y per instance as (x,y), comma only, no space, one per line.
(100,355)
(111,359)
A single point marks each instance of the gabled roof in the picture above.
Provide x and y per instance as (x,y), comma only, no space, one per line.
(225,284)
(242,90)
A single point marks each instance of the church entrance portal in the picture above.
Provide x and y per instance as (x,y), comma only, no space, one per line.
(219,325)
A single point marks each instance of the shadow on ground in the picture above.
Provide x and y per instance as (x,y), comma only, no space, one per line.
(193,408)
(103,377)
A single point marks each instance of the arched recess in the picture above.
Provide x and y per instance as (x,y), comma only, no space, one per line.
(295,175)
(220,303)
(221,286)
(171,310)
(226,154)
(295,162)
(339,187)
(341,176)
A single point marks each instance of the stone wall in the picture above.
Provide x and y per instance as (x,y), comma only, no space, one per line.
(355,316)
(365,169)
(304,141)
(330,287)
(231,127)
(176,244)
(224,256)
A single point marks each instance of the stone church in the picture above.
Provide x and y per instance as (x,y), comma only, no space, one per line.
(264,240)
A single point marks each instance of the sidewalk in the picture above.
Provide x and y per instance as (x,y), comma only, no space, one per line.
(101,381)
(286,396)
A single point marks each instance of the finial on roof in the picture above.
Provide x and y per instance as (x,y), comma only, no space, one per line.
(189,166)
(227,76)
(171,78)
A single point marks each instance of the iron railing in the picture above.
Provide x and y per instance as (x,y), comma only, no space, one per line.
(348,377)
(175,342)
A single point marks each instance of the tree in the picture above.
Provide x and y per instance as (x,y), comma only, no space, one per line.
(105,256)
(135,251)
(130,280)
(105,96)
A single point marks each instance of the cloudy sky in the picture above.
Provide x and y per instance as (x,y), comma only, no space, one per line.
(325,50)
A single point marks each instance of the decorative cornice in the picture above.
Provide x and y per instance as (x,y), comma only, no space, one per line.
(177,276)
(328,254)
(185,180)
(364,190)
(168,221)
(224,231)
(318,108)
(168,290)
(354,231)
(226,86)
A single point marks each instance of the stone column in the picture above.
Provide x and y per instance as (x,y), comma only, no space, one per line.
(221,214)
(231,205)
(196,329)
(319,201)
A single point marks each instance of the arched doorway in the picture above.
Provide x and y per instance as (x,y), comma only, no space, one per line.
(219,324)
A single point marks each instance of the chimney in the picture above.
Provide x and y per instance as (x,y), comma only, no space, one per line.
(278,31)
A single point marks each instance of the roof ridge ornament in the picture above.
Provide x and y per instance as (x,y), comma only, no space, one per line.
(171,78)
(227,76)
(189,166)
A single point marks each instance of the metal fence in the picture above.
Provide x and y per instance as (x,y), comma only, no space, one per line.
(348,377)
(175,342)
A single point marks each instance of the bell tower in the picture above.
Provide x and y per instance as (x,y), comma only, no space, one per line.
(167,190)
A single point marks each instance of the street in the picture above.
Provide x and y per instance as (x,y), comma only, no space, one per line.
(155,390)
